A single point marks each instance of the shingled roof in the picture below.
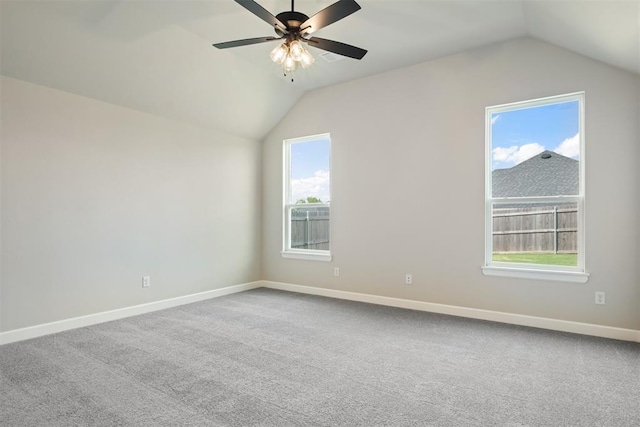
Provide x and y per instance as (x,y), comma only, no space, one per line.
(545,174)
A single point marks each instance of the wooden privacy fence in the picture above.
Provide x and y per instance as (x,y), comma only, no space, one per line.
(552,229)
(310,228)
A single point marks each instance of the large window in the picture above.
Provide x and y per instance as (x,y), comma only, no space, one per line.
(535,189)
(307,198)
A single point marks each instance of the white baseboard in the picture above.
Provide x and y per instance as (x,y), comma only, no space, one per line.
(107,316)
(474,313)
(516,319)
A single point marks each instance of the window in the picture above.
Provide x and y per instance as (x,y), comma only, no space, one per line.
(307,198)
(535,189)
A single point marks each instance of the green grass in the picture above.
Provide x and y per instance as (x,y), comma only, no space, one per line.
(537,258)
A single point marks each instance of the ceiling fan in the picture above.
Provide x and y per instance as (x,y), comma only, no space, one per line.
(294,28)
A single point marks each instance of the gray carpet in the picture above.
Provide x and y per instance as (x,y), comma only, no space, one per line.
(266,357)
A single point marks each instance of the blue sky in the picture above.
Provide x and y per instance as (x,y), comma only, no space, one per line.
(310,170)
(518,135)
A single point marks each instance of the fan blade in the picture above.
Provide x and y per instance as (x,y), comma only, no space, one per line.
(244,42)
(329,15)
(262,13)
(337,47)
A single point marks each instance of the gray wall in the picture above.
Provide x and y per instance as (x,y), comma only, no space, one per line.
(96,196)
(408,152)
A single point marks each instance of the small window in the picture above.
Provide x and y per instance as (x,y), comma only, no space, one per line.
(535,189)
(307,198)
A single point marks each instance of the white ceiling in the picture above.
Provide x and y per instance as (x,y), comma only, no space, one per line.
(156,56)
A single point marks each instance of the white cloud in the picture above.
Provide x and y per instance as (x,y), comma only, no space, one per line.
(494,119)
(316,186)
(515,154)
(570,147)
(502,154)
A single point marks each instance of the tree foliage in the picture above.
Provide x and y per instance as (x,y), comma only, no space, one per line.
(309,199)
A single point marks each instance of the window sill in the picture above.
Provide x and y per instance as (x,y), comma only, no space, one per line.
(556,275)
(308,255)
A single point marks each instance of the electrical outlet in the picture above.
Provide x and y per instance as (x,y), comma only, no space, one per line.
(336,271)
(408,279)
(146,281)
(600,297)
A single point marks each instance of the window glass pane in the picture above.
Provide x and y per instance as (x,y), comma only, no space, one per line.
(310,227)
(309,172)
(534,160)
(535,151)
(307,196)
(535,233)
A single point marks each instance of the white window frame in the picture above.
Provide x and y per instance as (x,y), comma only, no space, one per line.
(288,205)
(535,271)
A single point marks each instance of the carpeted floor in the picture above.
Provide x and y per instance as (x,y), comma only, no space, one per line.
(272,358)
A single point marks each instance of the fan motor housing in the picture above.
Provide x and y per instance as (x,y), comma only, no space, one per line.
(293,20)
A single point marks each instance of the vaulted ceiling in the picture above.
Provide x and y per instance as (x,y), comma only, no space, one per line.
(156,56)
